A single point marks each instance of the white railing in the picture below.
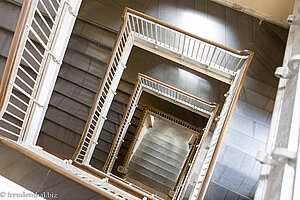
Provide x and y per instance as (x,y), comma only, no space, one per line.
(187,174)
(145,83)
(105,95)
(160,114)
(109,186)
(138,29)
(211,55)
(26,64)
(216,137)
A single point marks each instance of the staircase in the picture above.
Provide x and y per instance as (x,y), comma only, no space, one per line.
(77,83)
(158,159)
(112,123)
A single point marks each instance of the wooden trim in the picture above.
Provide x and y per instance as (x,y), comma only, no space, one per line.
(14,47)
(122,122)
(132,143)
(184,32)
(198,153)
(54,167)
(221,137)
(135,191)
(187,161)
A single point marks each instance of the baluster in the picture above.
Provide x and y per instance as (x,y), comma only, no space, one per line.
(224,55)
(179,40)
(165,37)
(155,34)
(231,65)
(212,56)
(203,51)
(160,34)
(225,67)
(174,40)
(217,57)
(183,45)
(207,53)
(133,24)
(147,30)
(138,26)
(193,48)
(235,69)
(198,50)
(129,23)
(169,39)
(142,24)
(188,49)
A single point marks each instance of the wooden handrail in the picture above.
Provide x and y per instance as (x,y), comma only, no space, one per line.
(198,153)
(135,191)
(187,161)
(55,167)
(107,69)
(183,92)
(10,62)
(184,32)
(221,137)
(123,119)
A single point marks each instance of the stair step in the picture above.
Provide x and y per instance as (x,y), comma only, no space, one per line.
(155,167)
(163,150)
(163,163)
(148,182)
(160,139)
(158,155)
(148,173)
(126,87)
(89,48)
(100,34)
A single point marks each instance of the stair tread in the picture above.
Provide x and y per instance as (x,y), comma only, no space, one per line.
(158,154)
(150,174)
(147,156)
(148,182)
(148,142)
(155,167)
(179,149)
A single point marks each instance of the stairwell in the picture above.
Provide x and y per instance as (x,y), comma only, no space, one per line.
(77,83)
(158,159)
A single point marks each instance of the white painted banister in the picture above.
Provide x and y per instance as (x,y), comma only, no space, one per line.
(201,184)
(210,58)
(145,83)
(38,46)
(106,92)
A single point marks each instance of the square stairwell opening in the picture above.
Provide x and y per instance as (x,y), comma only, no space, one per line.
(159,152)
